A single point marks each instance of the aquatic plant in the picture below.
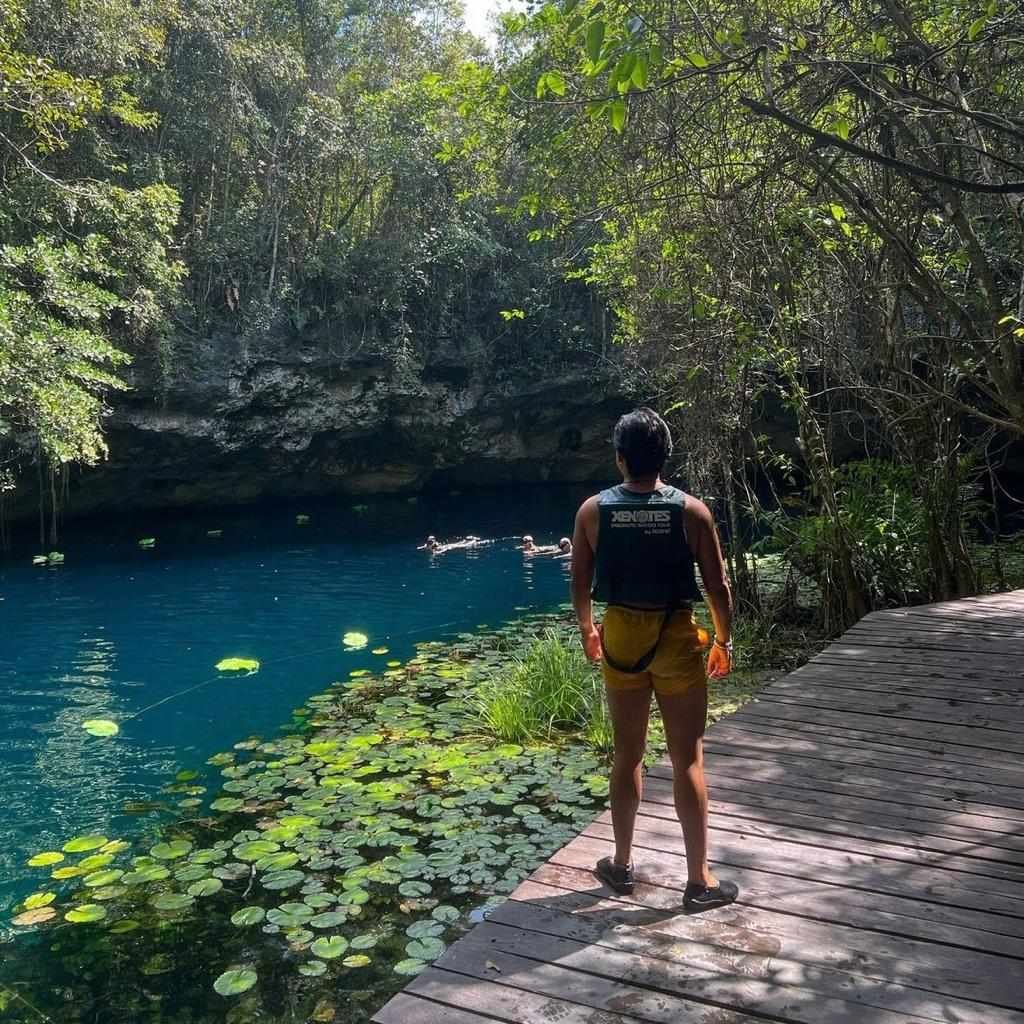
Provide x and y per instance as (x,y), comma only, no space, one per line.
(331,862)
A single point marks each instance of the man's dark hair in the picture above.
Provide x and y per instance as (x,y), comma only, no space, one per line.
(643,440)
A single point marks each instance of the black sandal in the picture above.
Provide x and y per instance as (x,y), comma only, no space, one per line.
(699,897)
(617,877)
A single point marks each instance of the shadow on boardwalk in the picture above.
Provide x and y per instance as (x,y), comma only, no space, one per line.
(871,808)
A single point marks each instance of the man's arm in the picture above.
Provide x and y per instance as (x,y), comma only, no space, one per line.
(704,543)
(584,544)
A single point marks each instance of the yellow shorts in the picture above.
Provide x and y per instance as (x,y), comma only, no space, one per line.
(678,665)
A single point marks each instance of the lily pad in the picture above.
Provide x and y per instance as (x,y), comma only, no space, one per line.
(356,960)
(171,851)
(235,981)
(39,915)
(424,929)
(86,913)
(255,850)
(39,899)
(365,941)
(98,878)
(353,641)
(249,665)
(313,969)
(205,887)
(445,914)
(410,966)
(82,844)
(278,880)
(330,949)
(248,916)
(123,926)
(414,889)
(328,919)
(380,650)
(103,727)
(45,859)
(425,949)
(227,803)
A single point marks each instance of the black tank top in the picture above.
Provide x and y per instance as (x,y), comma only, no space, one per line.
(643,559)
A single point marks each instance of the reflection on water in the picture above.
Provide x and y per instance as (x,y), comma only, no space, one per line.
(132,635)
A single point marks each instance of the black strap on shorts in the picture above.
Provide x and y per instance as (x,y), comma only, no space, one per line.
(645,660)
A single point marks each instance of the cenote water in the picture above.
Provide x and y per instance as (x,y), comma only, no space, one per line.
(132,635)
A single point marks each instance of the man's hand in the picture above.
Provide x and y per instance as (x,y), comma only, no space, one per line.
(719,662)
(590,637)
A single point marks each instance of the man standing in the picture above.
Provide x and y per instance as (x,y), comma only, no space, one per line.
(634,548)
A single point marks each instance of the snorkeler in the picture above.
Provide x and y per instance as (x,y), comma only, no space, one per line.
(527,545)
(430,545)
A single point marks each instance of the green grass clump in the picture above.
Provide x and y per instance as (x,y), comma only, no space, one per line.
(551,689)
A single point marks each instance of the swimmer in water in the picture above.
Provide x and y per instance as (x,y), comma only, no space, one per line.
(563,548)
(435,548)
(527,545)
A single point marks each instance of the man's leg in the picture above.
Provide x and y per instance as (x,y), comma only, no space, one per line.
(684,715)
(630,712)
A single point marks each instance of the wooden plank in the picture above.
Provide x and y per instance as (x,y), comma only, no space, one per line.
(997,747)
(856,783)
(408,1009)
(771,717)
(752,717)
(512,979)
(729,732)
(914,708)
(736,988)
(918,638)
(813,899)
(841,835)
(997,902)
(606,925)
(953,693)
(975,976)
(875,660)
(996,801)
(871,808)
(924,819)
(487,990)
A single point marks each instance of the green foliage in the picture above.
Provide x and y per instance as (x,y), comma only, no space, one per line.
(549,689)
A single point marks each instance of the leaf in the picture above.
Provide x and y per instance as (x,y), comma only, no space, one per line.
(39,899)
(171,851)
(353,641)
(313,969)
(248,916)
(40,915)
(595,39)
(698,60)
(86,913)
(425,949)
(356,960)
(556,83)
(103,727)
(617,114)
(640,68)
(82,844)
(235,981)
(977,27)
(171,901)
(838,213)
(249,665)
(842,129)
(45,859)
(330,949)
(205,887)
(410,966)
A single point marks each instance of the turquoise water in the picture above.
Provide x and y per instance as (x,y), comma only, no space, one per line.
(133,635)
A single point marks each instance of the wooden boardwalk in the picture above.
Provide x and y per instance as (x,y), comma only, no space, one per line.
(871,808)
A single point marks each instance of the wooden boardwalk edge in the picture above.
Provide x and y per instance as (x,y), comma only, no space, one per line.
(870,805)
